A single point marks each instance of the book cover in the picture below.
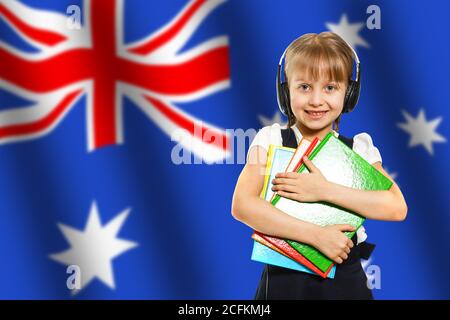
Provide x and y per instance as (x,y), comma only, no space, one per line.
(339,164)
(278,157)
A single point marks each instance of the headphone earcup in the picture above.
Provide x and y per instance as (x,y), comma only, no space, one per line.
(351,96)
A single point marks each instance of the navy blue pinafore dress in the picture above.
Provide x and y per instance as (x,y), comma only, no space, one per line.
(350,281)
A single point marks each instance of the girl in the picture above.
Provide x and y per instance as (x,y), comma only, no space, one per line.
(318,71)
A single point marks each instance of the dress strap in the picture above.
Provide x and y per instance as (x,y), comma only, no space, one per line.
(289,139)
(347,141)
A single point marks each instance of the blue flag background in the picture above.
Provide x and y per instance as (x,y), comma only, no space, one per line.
(183,242)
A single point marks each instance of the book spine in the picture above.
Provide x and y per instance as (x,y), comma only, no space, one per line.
(315,151)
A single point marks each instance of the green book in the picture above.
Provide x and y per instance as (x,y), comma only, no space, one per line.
(341,165)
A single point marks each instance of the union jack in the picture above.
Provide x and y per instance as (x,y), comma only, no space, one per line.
(96,63)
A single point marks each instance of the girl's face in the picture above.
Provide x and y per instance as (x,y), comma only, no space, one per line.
(316,104)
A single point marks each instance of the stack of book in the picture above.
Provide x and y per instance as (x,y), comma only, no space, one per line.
(339,164)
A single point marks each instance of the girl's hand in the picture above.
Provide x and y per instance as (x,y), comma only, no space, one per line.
(332,242)
(305,187)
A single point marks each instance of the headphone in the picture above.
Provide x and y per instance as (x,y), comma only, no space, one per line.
(351,95)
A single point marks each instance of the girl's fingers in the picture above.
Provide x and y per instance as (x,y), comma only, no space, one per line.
(285,194)
(350,243)
(343,255)
(345,227)
(288,175)
(283,181)
(338,260)
(312,168)
(284,187)
(288,195)
(347,250)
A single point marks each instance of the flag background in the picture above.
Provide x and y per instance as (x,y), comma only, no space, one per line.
(189,245)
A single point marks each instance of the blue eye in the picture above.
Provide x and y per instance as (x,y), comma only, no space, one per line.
(304,87)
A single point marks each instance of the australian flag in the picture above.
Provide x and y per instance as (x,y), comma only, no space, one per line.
(92,203)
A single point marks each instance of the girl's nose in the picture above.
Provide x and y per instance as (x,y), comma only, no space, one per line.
(315,99)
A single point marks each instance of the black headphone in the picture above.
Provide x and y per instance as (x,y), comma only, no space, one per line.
(351,95)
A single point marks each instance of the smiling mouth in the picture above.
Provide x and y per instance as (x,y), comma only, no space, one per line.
(316,114)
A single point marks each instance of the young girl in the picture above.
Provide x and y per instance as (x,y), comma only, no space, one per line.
(318,71)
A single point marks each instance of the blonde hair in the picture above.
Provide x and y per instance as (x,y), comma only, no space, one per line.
(324,55)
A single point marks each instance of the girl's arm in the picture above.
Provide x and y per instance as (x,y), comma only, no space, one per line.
(387,205)
(249,208)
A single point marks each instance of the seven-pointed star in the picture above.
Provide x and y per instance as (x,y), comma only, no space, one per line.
(93,249)
(421,132)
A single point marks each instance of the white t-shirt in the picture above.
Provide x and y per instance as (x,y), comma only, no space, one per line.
(362,144)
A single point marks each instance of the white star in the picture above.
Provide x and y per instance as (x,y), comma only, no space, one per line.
(348,31)
(270,121)
(421,131)
(94,248)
